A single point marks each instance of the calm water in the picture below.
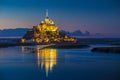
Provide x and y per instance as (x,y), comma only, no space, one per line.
(20,63)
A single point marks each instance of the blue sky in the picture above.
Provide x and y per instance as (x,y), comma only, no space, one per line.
(96,16)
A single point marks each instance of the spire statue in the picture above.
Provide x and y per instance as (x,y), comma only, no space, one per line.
(46,13)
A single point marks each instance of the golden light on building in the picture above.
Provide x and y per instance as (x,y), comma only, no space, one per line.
(47,59)
(47,31)
(23,40)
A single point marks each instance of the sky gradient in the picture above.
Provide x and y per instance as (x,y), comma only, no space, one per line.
(95,16)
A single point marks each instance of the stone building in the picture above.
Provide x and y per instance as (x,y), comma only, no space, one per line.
(46,31)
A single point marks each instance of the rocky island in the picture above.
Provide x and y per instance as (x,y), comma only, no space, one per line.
(46,32)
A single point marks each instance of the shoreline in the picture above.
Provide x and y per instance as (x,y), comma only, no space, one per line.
(56,45)
(68,46)
(65,45)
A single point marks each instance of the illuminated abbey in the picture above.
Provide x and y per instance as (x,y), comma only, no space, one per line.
(46,31)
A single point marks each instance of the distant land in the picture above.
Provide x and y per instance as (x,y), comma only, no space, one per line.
(80,33)
(19,32)
(22,31)
(13,32)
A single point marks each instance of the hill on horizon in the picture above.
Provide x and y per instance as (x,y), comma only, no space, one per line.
(22,31)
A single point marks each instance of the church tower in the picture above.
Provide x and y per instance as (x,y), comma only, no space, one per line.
(47,20)
(46,13)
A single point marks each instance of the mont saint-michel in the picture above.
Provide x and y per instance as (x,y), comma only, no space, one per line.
(47,31)
(76,40)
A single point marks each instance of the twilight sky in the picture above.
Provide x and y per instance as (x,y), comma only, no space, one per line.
(96,16)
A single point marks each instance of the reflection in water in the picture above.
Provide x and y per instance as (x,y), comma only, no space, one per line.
(46,58)
(23,49)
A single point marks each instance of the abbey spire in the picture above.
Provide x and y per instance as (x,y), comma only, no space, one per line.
(46,13)
(47,19)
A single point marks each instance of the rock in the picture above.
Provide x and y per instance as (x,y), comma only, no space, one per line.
(106,49)
(46,31)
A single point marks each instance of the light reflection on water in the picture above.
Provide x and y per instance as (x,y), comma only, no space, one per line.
(46,58)
(26,63)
